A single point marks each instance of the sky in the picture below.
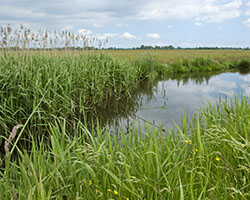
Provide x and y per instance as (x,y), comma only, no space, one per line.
(131,23)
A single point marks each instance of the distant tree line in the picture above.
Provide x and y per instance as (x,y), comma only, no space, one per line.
(155,47)
(142,47)
(170,47)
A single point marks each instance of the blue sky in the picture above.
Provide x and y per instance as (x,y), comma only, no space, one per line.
(130,23)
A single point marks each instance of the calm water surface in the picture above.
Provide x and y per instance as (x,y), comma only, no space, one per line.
(172,97)
(166,101)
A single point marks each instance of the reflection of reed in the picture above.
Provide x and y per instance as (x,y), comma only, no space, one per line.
(124,108)
(115,112)
(196,78)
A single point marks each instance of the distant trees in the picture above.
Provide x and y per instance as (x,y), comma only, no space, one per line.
(155,47)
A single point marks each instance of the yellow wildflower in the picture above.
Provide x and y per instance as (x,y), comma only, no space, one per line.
(190,159)
(188,141)
(195,151)
(218,159)
(115,192)
(90,182)
(243,145)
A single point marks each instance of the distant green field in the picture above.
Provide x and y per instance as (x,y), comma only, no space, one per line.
(167,56)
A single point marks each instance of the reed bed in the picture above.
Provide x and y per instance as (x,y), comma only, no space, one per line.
(207,158)
(71,85)
(64,85)
(54,153)
(23,38)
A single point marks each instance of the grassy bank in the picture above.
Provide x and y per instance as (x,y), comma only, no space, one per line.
(208,158)
(210,162)
(70,85)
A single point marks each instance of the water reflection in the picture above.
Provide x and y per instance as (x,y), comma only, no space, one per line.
(164,101)
(112,112)
(188,94)
(244,71)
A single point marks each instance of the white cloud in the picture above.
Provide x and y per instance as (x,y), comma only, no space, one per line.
(96,13)
(246,78)
(169,27)
(248,3)
(98,25)
(69,27)
(247,22)
(198,24)
(205,10)
(110,34)
(84,31)
(128,35)
(246,87)
(105,36)
(153,36)
(120,25)
(247,13)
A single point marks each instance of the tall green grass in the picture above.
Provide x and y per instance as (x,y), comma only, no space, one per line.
(201,64)
(71,85)
(208,160)
(49,94)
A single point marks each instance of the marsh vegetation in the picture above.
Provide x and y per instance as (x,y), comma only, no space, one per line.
(63,150)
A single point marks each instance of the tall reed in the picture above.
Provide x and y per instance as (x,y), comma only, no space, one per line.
(210,162)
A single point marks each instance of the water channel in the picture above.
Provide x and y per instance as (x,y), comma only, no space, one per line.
(162,102)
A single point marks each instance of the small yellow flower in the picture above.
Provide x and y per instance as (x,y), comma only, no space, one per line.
(127,198)
(195,151)
(188,141)
(190,159)
(90,182)
(243,145)
(115,192)
(218,159)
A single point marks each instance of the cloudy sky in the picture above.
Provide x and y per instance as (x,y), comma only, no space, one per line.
(129,23)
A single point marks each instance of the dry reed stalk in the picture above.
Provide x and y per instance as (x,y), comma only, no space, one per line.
(10,139)
(26,39)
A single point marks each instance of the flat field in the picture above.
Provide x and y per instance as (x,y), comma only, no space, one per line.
(167,56)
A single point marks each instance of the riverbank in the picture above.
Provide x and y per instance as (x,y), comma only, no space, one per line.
(69,86)
(58,155)
(209,159)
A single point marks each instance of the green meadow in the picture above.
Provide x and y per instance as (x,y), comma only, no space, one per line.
(55,152)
